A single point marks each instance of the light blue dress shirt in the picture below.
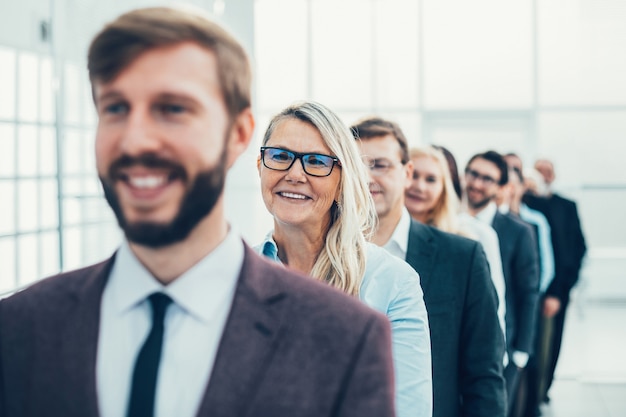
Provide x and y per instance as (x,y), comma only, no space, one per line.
(392,287)
(546,253)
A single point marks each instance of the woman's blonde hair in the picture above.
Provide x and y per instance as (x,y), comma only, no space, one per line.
(444,215)
(341,262)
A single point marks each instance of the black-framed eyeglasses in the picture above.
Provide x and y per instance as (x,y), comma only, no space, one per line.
(314,164)
(475,175)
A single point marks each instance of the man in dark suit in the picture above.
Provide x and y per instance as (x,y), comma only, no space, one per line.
(466,338)
(184,320)
(569,250)
(484,175)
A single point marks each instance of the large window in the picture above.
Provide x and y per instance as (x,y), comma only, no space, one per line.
(49,220)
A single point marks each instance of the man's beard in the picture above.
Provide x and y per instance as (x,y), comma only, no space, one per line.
(198,201)
(479,204)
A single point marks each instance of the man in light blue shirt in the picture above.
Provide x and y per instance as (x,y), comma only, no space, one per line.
(514,205)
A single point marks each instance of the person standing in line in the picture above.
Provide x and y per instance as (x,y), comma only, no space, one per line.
(485,174)
(184,319)
(569,246)
(467,341)
(438,205)
(314,184)
(513,204)
(534,376)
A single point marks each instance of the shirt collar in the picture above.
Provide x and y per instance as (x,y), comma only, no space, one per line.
(400,236)
(269,248)
(487,214)
(198,291)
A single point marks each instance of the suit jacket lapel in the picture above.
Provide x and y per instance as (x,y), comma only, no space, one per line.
(420,252)
(79,339)
(248,343)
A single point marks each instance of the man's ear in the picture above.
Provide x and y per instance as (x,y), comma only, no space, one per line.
(408,174)
(240,135)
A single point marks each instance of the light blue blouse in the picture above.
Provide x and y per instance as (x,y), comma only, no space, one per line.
(392,287)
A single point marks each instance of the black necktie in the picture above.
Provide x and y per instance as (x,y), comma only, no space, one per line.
(143,387)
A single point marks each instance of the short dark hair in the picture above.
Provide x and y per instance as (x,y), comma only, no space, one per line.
(375,127)
(496,159)
(122,41)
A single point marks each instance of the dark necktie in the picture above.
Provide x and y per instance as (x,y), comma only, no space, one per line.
(143,387)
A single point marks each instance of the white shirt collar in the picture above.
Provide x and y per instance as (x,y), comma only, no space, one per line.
(487,214)
(193,291)
(399,241)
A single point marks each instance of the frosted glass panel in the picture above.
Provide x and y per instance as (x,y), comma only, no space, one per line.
(28,205)
(27,151)
(466,137)
(88,150)
(28,259)
(28,97)
(282,64)
(7,210)
(477,54)
(49,262)
(72,249)
(342,53)
(49,204)
(600,136)
(602,214)
(73,94)
(7,83)
(411,126)
(581,52)
(47,151)
(72,151)
(396,59)
(7,264)
(7,150)
(47,89)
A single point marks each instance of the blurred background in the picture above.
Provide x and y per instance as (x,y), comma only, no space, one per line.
(540,78)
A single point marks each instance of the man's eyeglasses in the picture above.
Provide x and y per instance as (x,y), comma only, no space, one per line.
(474,175)
(314,164)
(378,167)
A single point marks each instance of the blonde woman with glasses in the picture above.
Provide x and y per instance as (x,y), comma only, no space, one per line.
(315,185)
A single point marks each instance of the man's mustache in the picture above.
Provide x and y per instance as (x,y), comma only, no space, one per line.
(148,161)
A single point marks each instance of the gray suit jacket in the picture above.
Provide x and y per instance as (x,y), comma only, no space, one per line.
(291,347)
(520,264)
(467,341)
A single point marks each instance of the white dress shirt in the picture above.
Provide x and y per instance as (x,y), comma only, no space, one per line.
(487,214)
(399,241)
(194,323)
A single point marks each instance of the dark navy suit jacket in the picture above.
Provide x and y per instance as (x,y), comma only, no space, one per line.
(520,264)
(568,241)
(467,341)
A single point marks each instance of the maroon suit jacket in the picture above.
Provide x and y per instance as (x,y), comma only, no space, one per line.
(291,347)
